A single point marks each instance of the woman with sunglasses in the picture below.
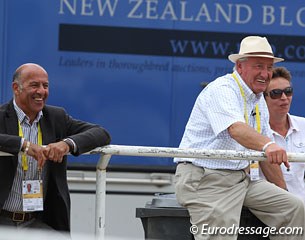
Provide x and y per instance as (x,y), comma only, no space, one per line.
(288,131)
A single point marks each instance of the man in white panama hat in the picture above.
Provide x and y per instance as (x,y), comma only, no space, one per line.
(231,114)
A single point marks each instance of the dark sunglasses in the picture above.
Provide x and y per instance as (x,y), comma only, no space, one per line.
(277,93)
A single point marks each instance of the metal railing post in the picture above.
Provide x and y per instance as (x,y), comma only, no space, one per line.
(100,197)
(146,151)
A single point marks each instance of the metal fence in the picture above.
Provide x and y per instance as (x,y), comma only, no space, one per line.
(107,151)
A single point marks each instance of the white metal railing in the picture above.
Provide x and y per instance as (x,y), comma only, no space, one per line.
(107,151)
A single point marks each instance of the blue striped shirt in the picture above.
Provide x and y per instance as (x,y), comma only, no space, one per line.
(30,133)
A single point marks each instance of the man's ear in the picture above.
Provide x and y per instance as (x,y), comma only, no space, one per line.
(238,67)
(16,88)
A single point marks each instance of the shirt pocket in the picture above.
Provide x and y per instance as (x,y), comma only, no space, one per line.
(298,142)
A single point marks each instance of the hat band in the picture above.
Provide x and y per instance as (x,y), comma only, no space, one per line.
(260,53)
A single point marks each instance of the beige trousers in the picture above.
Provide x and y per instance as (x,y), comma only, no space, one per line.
(214,199)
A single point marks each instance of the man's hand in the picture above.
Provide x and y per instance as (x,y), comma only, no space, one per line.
(277,155)
(37,152)
(56,151)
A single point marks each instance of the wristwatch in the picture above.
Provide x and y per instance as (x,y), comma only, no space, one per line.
(70,144)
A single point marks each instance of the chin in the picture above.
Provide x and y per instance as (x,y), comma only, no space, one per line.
(260,90)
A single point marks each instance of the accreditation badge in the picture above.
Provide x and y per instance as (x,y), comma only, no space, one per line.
(254,171)
(32,195)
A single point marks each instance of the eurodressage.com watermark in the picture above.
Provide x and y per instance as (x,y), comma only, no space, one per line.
(234,230)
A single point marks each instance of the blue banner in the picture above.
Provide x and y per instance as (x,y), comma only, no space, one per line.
(137,66)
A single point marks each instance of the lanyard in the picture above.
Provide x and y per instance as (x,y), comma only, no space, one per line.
(257,115)
(25,166)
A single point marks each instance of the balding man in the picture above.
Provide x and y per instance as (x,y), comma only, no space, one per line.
(39,136)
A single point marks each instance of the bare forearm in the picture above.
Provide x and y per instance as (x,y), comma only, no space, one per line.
(273,174)
(247,136)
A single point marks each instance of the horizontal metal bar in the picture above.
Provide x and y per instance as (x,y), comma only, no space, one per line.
(5,154)
(157,182)
(124,150)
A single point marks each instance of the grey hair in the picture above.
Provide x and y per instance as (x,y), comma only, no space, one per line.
(243,59)
(16,79)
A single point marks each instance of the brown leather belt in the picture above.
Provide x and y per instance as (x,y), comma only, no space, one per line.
(18,216)
(185,162)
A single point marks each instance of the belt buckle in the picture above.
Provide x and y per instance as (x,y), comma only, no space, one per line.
(18,219)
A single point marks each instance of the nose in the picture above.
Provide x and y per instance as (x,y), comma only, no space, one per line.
(266,72)
(284,96)
(40,88)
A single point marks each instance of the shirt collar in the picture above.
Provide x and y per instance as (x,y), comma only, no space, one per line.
(293,126)
(23,117)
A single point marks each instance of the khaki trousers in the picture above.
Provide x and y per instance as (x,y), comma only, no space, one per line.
(214,198)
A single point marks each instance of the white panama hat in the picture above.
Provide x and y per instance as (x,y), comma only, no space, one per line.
(254,46)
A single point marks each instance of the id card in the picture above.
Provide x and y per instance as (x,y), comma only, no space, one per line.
(32,195)
(254,171)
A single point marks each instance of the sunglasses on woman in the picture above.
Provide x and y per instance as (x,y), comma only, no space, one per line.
(277,93)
